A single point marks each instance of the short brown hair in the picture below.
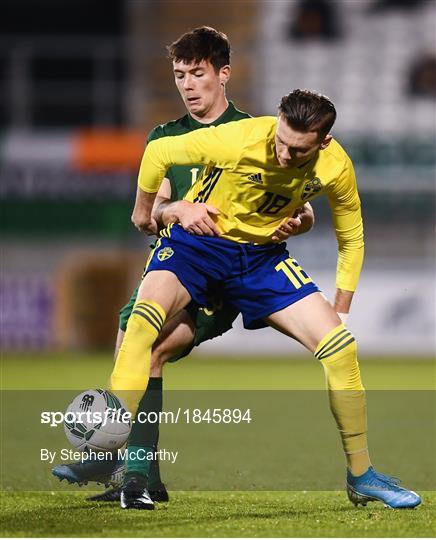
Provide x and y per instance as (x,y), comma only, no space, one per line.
(203,43)
(304,111)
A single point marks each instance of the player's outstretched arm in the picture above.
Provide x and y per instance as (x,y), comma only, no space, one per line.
(347,220)
(301,222)
(142,212)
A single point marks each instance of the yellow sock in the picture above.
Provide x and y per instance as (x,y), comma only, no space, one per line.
(131,372)
(337,352)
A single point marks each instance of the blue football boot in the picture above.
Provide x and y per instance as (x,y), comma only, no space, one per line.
(108,472)
(375,486)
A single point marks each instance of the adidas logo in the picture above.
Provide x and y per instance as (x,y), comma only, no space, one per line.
(257,178)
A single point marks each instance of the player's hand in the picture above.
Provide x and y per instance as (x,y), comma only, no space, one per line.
(288,227)
(145,224)
(196,218)
(142,212)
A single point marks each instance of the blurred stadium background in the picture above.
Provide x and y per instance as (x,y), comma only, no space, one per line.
(82,83)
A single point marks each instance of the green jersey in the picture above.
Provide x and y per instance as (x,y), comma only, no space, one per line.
(182,177)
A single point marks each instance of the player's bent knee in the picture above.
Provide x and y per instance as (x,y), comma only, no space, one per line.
(337,352)
(132,365)
(155,287)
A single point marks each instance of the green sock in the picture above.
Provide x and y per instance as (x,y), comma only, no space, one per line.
(144,435)
(154,478)
(138,461)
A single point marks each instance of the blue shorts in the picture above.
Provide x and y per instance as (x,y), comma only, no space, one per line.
(256,280)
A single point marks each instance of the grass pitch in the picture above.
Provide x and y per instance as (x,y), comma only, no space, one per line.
(213,514)
(207,513)
(74,371)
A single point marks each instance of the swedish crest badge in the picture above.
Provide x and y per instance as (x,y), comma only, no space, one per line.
(165,253)
(310,188)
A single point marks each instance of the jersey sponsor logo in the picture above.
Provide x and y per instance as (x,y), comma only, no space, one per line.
(310,188)
(256,178)
(165,253)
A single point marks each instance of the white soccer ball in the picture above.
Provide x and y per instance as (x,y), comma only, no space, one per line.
(97,420)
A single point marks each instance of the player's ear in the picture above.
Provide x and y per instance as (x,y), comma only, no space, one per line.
(225,72)
(326,141)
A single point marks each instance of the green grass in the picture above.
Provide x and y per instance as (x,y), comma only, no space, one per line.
(212,514)
(75,371)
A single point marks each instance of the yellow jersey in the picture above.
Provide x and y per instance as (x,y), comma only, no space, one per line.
(254,194)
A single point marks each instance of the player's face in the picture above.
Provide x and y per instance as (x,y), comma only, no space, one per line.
(293,148)
(202,88)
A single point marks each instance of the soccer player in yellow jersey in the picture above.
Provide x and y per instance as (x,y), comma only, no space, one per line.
(257,172)
(201,66)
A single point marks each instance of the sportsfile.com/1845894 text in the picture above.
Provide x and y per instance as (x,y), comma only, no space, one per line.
(188,416)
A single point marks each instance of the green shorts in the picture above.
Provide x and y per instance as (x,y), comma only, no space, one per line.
(209,323)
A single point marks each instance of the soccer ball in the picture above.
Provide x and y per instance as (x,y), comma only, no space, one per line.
(97,420)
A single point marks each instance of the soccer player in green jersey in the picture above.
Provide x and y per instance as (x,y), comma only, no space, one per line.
(201,66)
(258,171)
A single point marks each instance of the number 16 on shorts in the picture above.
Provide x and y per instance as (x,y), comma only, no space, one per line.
(293,271)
